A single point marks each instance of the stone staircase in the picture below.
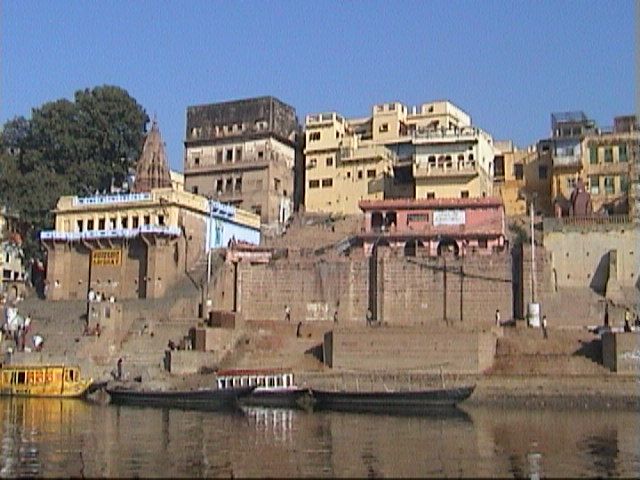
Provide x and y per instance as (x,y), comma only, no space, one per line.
(524,351)
(275,345)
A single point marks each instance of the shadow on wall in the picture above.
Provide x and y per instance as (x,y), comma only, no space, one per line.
(601,275)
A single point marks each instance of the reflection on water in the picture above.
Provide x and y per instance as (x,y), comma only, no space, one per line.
(43,437)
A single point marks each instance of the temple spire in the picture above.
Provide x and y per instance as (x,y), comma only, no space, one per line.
(152,168)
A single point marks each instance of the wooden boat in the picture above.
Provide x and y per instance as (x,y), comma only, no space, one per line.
(394,401)
(202,399)
(42,381)
(274,388)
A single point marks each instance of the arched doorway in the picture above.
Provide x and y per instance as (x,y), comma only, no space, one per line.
(448,245)
(411,247)
(376,221)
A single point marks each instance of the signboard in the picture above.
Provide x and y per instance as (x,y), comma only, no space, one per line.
(106,257)
(448,217)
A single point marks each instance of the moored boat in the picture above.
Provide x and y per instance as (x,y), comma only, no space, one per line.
(383,401)
(42,381)
(201,399)
(274,388)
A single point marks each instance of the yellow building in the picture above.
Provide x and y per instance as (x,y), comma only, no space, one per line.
(432,151)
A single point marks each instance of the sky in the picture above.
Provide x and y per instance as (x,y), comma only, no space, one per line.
(508,63)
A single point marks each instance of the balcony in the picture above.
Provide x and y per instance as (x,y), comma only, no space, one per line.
(442,135)
(369,152)
(567,161)
(447,169)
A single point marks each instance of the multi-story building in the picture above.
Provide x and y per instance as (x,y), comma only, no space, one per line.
(608,166)
(565,149)
(431,152)
(11,256)
(138,244)
(243,153)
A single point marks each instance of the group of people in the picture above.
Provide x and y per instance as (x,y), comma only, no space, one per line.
(17,328)
(94,296)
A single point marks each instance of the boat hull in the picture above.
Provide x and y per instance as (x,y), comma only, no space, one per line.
(411,401)
(292,398)
(209,399)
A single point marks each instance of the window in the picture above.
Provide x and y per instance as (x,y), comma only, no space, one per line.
(359,174)
(219,156)
(229,155)
(431,194)
(417,217)
(314,136)
(593,155)
(112,223)
(90,224)
(571,183)
(432,159)
(276,184)
(160,219)
(238,154)
(471,157)
(609,185)
(101,224)
(327,182)
(482,243)
(135,220)
(125,222)
(542,172)
(384,127)
(608,155)
(624,184)
(239,184)
(196,161)
(260,154)
(80,225)
(219,185)
(314,183)
(464,194)
(228,185)
(348,174)
(622,153)
(147,220)
(329,161)
(312,162)
(371,173)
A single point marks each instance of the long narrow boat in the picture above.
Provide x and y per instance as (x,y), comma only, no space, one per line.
(42,381)
(390,401)
(202,399)
(274,388)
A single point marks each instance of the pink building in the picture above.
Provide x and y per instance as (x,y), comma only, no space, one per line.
(435,226)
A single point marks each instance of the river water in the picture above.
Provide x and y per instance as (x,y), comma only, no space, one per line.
(61,438)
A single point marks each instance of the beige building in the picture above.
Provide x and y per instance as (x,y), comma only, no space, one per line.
(138,244)
(607,168)
(429,152)
(243,153)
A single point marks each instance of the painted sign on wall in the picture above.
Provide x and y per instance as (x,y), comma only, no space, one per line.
(448,217)
(106,257)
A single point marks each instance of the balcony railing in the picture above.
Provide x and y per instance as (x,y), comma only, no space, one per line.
(367,152)
(567,161)
(556,224)
(452,169)
(453,134)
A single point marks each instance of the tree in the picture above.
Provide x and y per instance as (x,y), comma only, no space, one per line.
(69,148)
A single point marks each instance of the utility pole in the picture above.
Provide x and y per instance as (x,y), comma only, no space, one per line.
(533,257)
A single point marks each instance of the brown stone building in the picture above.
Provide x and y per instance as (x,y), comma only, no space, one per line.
(243,153)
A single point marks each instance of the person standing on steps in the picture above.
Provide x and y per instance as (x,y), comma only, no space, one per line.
(544,327)
(287,313)
(497,317)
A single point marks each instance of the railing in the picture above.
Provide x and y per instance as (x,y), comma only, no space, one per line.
(567,161)
(447,169)
(558,223)
(113,233)
(446,134)
(366,152)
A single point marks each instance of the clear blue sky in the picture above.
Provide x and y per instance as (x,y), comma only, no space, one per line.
(508,63)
